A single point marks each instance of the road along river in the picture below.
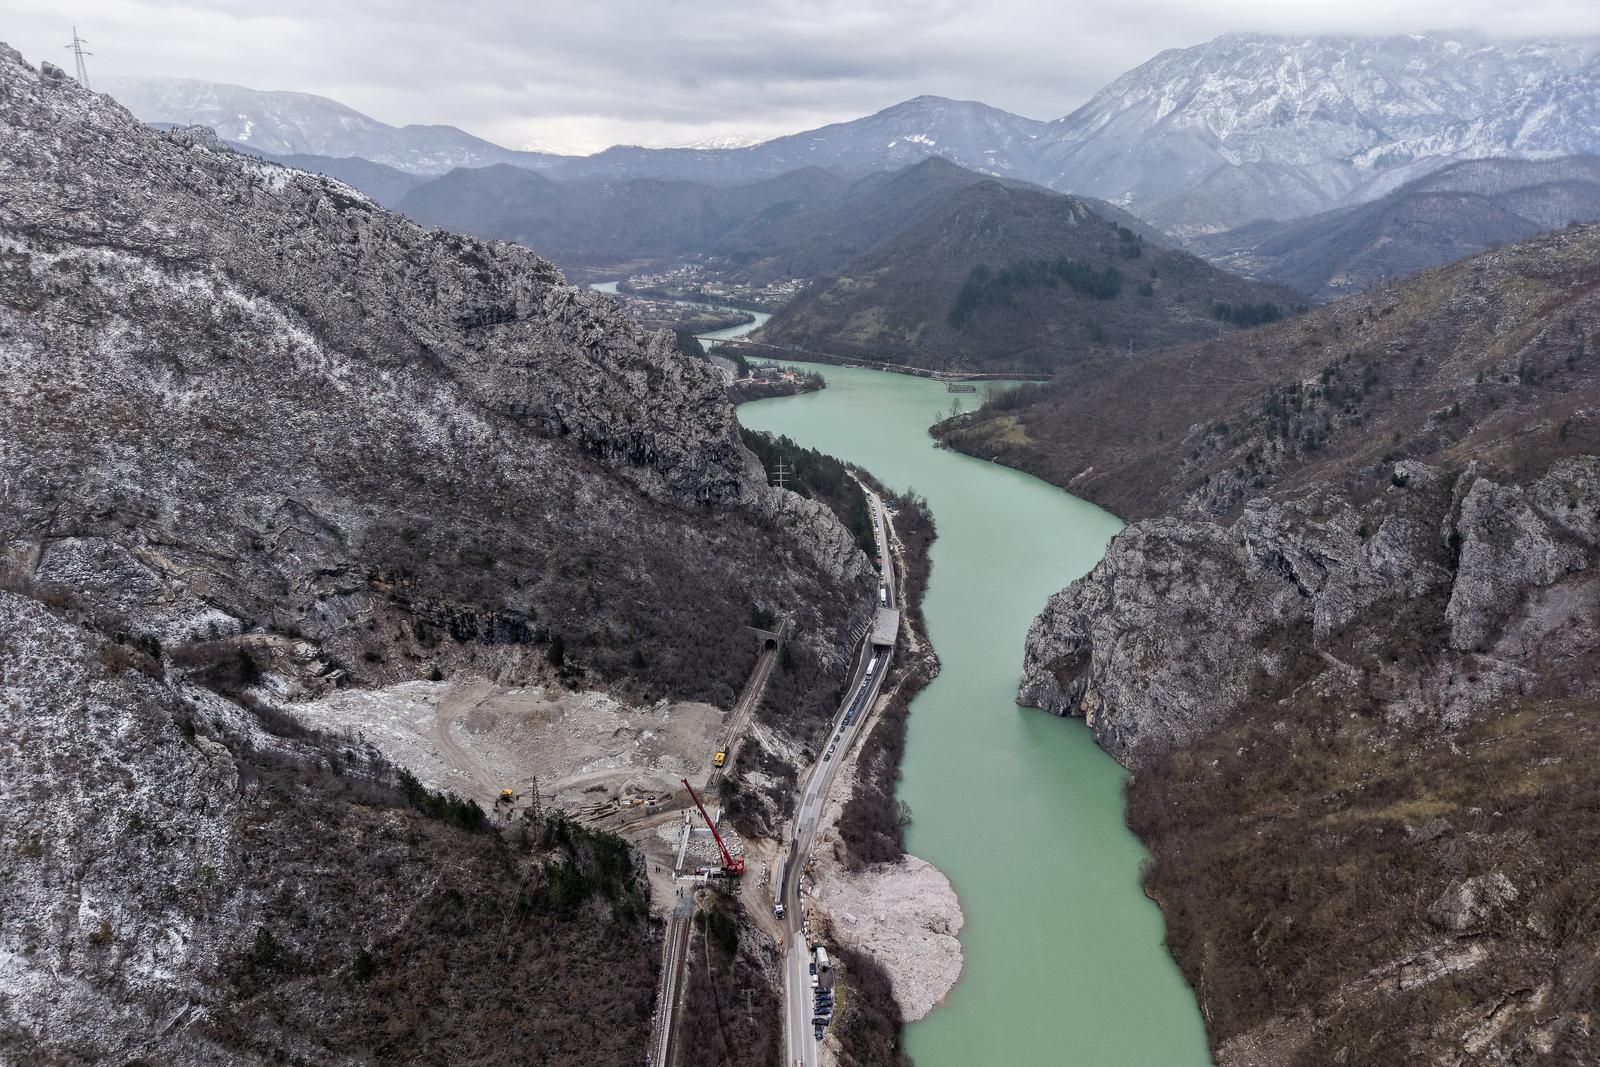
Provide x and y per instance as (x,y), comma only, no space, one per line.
(1023,812)
(1064,961)
(761,317)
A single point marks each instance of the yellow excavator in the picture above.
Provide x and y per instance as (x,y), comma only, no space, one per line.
(720,758)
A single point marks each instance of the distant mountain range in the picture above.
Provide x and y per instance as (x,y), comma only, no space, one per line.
(1462,209)
(797,225)
(587,222)
(1196,140)
(965,132)
(289,124)
(1251,126)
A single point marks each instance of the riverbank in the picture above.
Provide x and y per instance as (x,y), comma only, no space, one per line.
(800,355)
(897,916)
(1060,947)
(764,386)
(697,296)
(1021,811)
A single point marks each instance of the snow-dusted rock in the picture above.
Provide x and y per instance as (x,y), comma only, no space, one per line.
(1185,623)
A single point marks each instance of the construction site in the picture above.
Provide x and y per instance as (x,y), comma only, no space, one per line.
(654,776)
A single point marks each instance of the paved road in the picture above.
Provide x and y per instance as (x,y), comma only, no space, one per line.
(862,692)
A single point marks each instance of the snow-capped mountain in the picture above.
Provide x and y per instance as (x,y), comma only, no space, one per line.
(732,140)
(965,132)
(1250,125)
(1196,140)
(284,123)
(1244,127)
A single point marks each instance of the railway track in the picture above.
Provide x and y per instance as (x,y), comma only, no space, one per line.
(673,955)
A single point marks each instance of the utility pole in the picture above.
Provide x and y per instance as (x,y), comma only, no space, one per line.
(77,50)
(783,472)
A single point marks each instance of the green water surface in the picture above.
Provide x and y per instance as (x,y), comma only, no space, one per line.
(1064,961)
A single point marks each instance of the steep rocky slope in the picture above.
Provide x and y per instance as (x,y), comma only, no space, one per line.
(383,183)
(1457,211)
(1351,652)
(1009,277)
(263,439)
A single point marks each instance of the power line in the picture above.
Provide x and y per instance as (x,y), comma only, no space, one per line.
(76,48)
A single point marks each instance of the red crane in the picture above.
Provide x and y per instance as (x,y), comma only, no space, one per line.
(732,866)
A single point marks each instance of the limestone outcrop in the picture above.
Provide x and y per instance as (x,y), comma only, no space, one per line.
(1184,624)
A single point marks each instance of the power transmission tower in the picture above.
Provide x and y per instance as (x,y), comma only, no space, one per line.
(535,813)
(76,48)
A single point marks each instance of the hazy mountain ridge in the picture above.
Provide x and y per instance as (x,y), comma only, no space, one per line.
(796,225)
(966,132)
(1357,615)
(583,222)
(289,123)
(1195,140)
(1457,211)
(265,440)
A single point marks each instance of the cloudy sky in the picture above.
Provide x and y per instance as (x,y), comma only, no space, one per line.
(581,75)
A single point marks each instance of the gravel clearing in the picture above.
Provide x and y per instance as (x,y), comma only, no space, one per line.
(475,738)
(905,915)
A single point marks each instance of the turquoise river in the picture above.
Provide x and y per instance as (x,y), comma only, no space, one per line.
(1064,960)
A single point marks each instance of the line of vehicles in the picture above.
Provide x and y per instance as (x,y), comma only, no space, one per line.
(821,991)
(855,706)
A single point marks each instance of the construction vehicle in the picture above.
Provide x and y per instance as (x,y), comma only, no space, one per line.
(720,758)
(732,866)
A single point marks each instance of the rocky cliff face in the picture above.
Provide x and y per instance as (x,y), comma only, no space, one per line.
(1439,597)
(1349,651)
(262,439)
(260,391)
